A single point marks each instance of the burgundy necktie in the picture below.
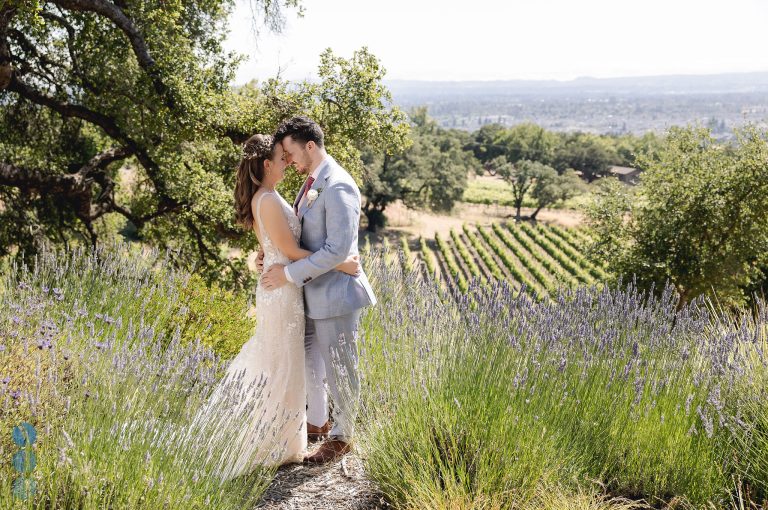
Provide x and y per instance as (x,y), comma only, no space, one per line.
(310,181)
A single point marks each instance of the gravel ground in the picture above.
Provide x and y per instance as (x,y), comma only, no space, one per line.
(340,485)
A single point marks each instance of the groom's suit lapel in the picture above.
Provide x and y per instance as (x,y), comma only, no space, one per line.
(322,178)
(298,197)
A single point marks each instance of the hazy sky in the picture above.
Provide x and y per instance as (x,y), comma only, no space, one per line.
(513,39)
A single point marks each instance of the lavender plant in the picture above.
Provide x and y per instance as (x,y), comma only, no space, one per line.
(483,399)
(84,357)
(487,399)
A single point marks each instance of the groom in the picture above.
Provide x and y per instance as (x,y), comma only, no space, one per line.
(329,208)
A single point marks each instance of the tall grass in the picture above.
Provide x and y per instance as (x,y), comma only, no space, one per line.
(92,355)
(487,401)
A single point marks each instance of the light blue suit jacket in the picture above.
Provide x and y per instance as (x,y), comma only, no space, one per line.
(329,229)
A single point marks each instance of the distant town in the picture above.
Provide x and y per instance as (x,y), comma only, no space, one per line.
(605,106)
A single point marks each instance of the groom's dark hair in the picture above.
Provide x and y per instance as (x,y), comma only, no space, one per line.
(302,129)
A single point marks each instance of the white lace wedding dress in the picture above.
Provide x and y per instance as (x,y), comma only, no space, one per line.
(264,384)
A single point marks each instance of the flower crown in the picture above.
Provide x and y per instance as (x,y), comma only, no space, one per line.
(258,148)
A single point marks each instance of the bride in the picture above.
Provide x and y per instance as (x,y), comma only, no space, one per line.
(264,387)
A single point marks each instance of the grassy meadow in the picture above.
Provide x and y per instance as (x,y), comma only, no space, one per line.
(597,397)
(494,190)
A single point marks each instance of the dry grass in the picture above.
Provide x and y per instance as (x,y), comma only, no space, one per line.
(426,224)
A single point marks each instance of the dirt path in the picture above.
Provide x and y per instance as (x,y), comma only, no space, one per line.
(335,486)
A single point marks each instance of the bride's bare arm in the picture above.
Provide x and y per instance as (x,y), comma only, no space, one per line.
(275,223)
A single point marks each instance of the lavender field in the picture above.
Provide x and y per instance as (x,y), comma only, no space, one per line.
(489,399)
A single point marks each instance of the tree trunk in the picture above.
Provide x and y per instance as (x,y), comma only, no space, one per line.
(376,218)
(6,69)
(684,296)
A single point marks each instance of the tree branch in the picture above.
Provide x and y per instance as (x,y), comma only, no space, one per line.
(103,159)
(6,68)
(139,45)
(73,186)
(69,110)
(106,123)
(77,187)
(27,46)
(205,252)
(26,178)
(76,69)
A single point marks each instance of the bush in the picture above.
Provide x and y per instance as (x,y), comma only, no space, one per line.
(487,401)
(217,316)
(94,354)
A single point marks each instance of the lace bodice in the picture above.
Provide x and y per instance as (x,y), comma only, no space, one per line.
(271,254)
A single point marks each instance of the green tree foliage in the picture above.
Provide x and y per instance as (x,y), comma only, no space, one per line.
(592,155)
(628,147)
(699,220)
(526,177)
(121,116)
(431,173)
(551,187)
(525,141)
(528,141)
(587,153)
(485,144)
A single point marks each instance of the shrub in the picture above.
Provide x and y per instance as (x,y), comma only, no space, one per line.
(85,336)
(217,316)
(492,398)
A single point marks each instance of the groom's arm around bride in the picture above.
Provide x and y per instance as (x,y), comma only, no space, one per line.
(330,216)
(342,213)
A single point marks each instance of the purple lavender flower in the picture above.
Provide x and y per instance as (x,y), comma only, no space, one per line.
(639,388)
(706,422)
(714,399)
(688,402)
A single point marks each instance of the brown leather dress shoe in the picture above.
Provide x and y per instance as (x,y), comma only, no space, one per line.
(328,452)
(315,433)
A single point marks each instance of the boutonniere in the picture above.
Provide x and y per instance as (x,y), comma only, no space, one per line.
(312,195)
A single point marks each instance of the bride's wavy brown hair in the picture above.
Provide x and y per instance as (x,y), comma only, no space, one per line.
(250,173)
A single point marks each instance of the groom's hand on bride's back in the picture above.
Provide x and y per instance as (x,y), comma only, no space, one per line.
(274,278)
(260,262)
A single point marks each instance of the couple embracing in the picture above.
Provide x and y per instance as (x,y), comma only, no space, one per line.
(308,302)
